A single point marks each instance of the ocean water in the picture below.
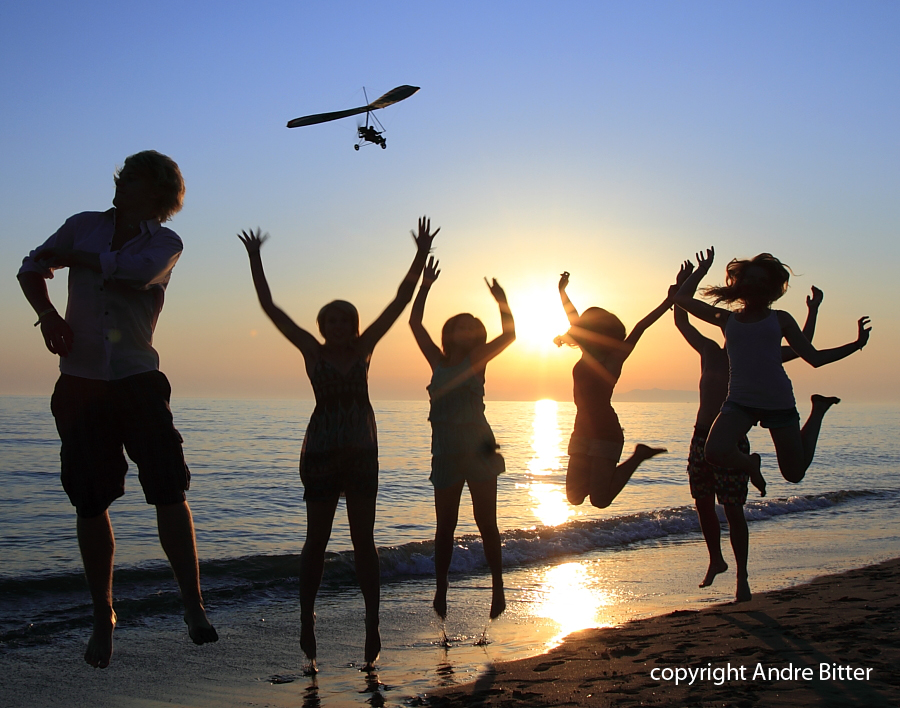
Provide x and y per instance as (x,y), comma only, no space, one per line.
(566,568)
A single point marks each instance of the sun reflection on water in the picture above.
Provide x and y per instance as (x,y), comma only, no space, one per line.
(574,597)
(549,498)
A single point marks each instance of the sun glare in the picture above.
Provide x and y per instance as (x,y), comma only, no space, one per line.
(573,597)
(539,318)
(548,498)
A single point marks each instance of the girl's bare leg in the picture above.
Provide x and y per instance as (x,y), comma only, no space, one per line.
(796,447)
(722,447)
(319,519)
(740,542)
(446,509)
(578,479)
(712,534)
(607,479)
(484,506)
(361,516)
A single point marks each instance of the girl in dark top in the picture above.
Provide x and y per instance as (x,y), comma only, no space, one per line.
(597,440)
(340,449)
(463,448)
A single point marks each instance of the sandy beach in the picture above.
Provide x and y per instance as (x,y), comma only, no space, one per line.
(843,629)
(837,621)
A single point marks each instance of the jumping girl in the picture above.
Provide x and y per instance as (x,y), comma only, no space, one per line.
(759,390)
(463,448)
(340,449)
(597,440)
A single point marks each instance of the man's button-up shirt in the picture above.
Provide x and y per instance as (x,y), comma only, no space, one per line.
(112,313)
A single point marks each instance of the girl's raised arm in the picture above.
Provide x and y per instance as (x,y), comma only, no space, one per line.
(300,338)
(685,296)
(423,339)
(820,357)
(692,335)
(571,312)
(809,327)
(483,354)
(375,331)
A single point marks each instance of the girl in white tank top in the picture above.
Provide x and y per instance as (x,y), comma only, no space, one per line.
(759,390)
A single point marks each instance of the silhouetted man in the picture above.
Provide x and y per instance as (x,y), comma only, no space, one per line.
(110,393)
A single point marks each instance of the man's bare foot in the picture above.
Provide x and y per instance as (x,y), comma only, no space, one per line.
(308,636)
(756,477)
(498,601)
(100,645)
(742,594)
(373,644)
(199,628)
(823,403)
(645,452)
(440,603)
(714,569)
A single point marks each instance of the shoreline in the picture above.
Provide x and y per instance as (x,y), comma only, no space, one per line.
(849,619)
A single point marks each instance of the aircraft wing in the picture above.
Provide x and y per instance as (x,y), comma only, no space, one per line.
(393,96)
(325,117)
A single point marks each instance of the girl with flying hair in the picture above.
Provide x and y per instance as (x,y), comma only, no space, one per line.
(463,448)
(597,440)
(759,390)
(340,449)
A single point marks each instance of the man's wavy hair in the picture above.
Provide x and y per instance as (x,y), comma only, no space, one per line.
(164,173)
(736,290)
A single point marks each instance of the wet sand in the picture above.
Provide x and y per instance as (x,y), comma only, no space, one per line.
(850,619)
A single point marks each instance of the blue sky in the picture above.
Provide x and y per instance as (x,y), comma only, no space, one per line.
(608,139)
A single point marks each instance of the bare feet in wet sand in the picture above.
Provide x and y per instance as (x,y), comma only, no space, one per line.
(373,645)
(714,569)
(440,602)
(199,628)
(308,640)
(645,452)
(100,645)
(498,601)
(756,477)
(743,594)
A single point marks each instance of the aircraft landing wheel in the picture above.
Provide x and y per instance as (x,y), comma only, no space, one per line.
(356,147)
(384,146)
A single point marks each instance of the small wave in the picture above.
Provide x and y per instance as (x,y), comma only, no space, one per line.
(31,607)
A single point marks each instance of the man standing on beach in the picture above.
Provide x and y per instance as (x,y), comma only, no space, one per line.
(110,393)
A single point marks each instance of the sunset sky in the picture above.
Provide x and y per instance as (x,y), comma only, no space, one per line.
(609,139)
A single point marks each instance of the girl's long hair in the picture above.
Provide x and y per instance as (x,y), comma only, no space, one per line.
(343,307)
(597,331)
(736,290)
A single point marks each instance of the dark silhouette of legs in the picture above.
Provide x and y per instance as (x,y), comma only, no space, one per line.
(446,508)
(484,506)
(607,479)
(361,515)
(712,534)
(319,519)
(176,535)
(98,545)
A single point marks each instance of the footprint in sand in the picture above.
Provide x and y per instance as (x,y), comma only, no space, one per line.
(545,665)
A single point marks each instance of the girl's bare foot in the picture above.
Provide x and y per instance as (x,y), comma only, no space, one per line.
(100,645)
(824,402)
(199,628)
(498,601)
(373,644)
(440,603)
(308,637)
(743,594)
(756,477)
(645,452)
(714,569)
